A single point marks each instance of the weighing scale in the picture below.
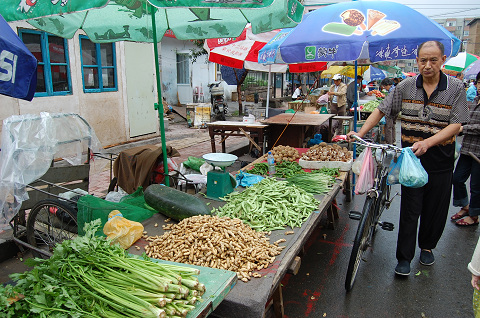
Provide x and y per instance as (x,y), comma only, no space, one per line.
(219,182)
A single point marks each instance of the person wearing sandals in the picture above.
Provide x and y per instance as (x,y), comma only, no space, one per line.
(467,166)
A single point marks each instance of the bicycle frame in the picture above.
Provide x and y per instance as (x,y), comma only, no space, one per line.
(377,198)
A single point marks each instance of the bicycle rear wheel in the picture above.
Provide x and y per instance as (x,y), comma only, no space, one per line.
(49,222)
(360,244)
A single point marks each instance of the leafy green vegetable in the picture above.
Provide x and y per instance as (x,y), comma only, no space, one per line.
(89,277)
(287,169)
(370,105)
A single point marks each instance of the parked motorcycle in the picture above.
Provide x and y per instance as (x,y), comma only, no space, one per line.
(219,107)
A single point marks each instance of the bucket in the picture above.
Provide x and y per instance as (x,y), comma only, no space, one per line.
(250,119)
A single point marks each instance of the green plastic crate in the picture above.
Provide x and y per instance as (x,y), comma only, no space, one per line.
(91,208)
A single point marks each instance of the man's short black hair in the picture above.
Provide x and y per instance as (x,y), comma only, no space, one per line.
(437,43)
(359,77)
(386,82)
(478,78)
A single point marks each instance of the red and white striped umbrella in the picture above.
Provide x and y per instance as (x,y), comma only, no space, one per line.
(242,52)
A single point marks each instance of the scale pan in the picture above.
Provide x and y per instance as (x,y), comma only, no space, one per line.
(219,159)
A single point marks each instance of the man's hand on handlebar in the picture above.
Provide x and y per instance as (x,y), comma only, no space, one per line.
(350,135)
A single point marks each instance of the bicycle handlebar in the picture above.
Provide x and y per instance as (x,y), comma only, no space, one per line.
(363,142)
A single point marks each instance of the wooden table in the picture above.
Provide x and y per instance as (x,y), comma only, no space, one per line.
(250,299)
(292,129)
(224,129)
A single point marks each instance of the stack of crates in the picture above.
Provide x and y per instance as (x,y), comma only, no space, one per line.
(376,134)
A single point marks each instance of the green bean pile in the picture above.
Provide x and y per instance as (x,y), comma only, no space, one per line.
(269,205)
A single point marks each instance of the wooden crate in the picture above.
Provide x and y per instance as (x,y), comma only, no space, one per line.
(300,106)
(313,99)
(250,98)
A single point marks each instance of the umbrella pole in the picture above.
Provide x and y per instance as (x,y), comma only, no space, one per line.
(268,90)
(159,105)
(355,102)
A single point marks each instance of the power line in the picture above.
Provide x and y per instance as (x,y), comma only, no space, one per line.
(450,13)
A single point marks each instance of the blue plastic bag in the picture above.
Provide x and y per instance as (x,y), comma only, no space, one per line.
(458,146)
(394,174)
(246,179)
(412,174)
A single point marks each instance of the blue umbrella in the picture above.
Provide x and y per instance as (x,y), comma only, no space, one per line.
(374,74)
(472,70)
(18,66)
(363,31)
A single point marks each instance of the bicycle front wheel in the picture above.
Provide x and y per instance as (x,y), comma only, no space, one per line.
(361,241)
(49,222)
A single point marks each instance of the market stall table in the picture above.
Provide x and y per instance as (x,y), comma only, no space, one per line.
(298,126)
(250,299)
(224,129)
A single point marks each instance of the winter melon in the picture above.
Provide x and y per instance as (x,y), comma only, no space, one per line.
(173,203)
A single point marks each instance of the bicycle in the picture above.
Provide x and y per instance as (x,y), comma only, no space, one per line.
(377,199)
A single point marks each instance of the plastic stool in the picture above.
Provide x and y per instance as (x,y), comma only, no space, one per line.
(198,94)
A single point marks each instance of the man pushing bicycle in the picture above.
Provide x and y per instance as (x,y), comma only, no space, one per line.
(433,106)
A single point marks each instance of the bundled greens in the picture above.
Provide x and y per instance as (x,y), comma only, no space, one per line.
(89,277)
(333,172)
(269,205)
(316,183)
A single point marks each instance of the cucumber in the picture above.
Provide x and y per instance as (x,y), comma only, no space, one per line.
(173,203)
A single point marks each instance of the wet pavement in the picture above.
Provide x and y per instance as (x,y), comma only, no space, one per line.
(441,290)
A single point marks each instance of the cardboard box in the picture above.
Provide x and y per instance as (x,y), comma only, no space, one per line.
(234,96)
(198,114)
(250,98)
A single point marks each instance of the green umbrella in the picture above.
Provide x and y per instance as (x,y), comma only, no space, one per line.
(130,20)
(147,21)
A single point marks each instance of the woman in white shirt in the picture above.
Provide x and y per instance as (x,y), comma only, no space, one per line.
(297,93)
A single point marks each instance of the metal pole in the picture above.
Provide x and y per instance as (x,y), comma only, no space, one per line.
(354,124)
(268,89)
(159,106)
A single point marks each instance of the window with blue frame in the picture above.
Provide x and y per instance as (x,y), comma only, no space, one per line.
(53,71)
(183,72)
(99,70)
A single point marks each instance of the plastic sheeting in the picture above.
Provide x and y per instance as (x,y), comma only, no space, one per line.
(29,144)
